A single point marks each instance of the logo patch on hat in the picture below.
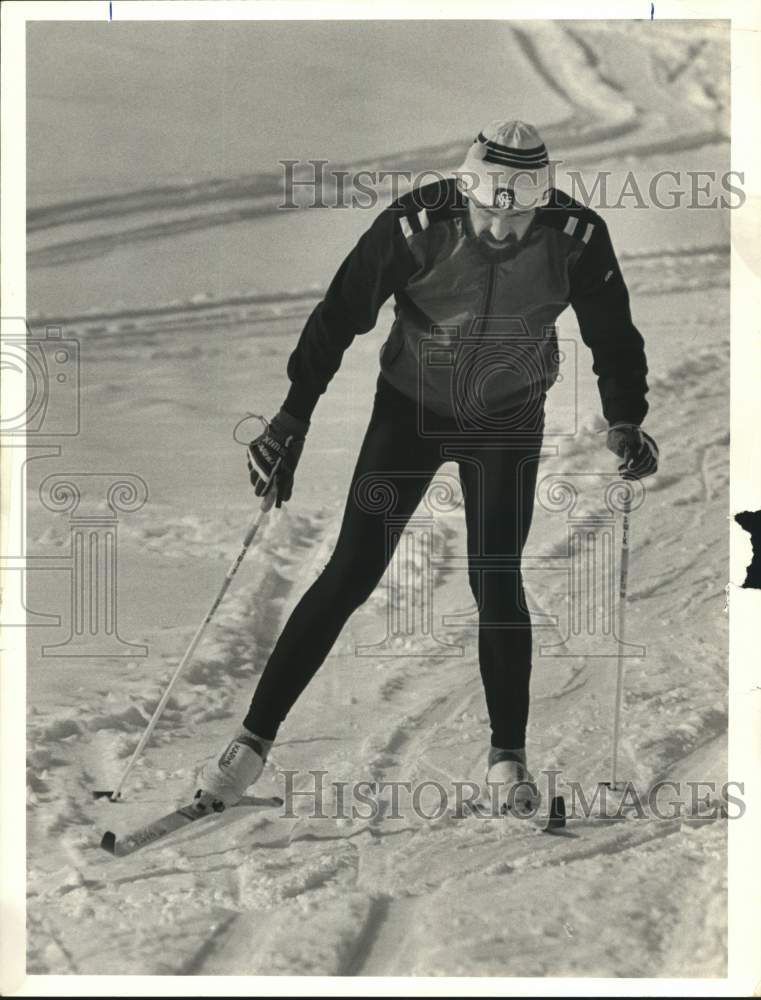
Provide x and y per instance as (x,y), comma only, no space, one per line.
(504,197)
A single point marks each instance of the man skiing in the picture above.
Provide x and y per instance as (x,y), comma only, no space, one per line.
(480,266)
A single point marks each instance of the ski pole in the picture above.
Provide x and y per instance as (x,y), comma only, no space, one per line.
(624,575)
(267,502)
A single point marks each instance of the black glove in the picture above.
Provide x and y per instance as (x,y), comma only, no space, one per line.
(283,440)
(637,449)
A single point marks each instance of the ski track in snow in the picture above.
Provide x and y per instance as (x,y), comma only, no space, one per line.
(252,892)
(607,122)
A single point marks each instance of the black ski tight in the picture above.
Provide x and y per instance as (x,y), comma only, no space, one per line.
(498,478)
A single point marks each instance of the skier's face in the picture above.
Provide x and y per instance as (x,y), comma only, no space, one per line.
(495,226)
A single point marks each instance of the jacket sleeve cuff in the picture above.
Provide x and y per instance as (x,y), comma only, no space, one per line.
(300,401)
(620,412)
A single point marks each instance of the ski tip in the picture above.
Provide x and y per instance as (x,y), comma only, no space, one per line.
(557,816)
(108,842)
(103,794)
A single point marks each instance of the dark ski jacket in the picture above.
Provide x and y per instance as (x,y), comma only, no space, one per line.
(472,322)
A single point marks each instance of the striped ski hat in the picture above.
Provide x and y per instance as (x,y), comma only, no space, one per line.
(506,167)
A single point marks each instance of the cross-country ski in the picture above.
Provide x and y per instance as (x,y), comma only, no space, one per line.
(128,843)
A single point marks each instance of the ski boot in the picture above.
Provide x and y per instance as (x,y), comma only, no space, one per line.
(224,781)
(512,782)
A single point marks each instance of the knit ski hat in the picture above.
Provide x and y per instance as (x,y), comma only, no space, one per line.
(506,167)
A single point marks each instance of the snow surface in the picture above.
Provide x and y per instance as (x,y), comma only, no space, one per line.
(252,892)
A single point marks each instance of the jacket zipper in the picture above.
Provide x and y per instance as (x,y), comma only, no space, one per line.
(490,280)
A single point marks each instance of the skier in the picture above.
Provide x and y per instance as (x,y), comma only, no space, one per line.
(480,265)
